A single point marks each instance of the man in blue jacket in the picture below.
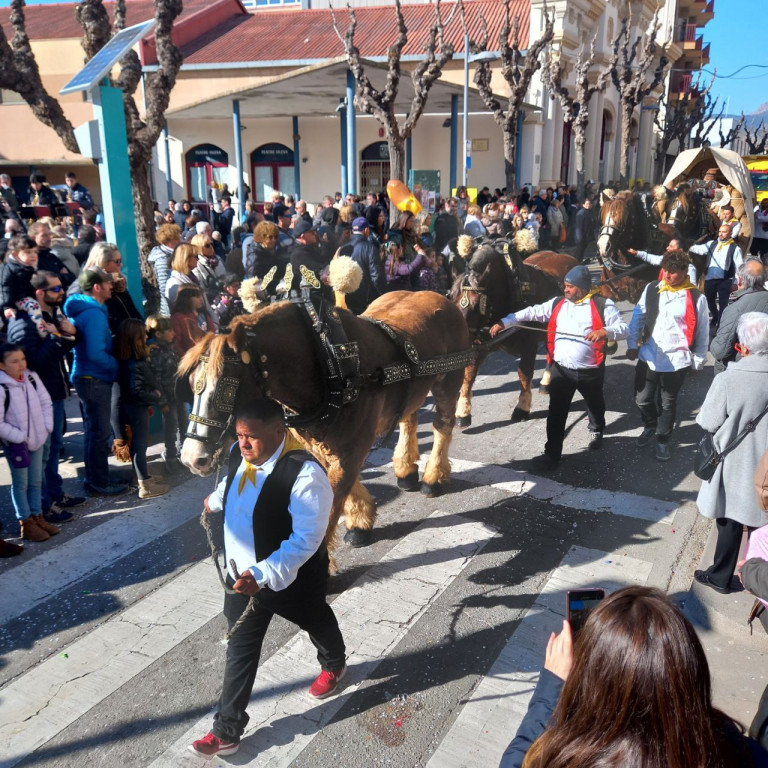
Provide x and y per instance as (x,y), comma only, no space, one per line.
(93,373)
(366,254)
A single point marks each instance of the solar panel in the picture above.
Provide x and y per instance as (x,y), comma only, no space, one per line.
(101,64)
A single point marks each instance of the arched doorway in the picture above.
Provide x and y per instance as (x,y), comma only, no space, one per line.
(206,163)
(272,171)
(374,167)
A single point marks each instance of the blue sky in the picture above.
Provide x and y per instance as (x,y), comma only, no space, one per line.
(735,42)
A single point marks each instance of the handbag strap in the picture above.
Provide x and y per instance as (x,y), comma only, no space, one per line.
(749,427)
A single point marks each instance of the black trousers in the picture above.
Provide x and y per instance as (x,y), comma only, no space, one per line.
(717,291)
(726,551)
(565,382)
(656,397)
(302,603)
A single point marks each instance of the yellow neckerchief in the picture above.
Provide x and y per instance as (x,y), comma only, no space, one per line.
(721,243)
(686,285)
(589,294)
(249,473)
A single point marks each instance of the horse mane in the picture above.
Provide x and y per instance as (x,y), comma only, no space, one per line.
(192,356)
(616,208)
(483,256)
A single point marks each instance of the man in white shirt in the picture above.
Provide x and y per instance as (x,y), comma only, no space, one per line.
(578,327)
(724,257)
(728,218)
(759,245)
(669,325)
(276,500)
(656,259)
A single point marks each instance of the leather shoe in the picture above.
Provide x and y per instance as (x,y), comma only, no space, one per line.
(113,489)
(703,578)
(595,441)
(545,463)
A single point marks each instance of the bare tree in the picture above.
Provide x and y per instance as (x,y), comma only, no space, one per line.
(629,66)
(756,139)
(726,139)
(575,102)
(382,103)
(687,121)
(19,73)
(518,71)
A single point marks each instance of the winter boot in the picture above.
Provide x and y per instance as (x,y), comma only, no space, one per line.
(150,488)
(49,528)
(31,531)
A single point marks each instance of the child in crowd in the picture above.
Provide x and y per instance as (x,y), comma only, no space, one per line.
(26,420)
(16,291)
(190,319)
(228,305)
(164,361)
(138,391)
(428,274)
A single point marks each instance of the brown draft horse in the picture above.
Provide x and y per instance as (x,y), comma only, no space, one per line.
(626,224)
(486,294)
(274,353)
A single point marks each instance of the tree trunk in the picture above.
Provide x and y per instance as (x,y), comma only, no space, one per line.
(396,167)
(510,172)
(145,231)
(579,142)
(626,129)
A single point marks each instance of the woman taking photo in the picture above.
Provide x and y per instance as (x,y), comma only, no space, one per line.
(735,397)
(633,692)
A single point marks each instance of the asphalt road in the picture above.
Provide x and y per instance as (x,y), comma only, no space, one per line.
(111,639)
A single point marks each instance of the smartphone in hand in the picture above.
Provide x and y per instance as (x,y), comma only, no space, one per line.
(579,604)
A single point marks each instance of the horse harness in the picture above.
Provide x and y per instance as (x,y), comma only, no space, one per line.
(339,360)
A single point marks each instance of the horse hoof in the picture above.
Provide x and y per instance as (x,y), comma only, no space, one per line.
(543,389)
(520,415)
(358,537)
(432,490)
(409,482)
(463,421)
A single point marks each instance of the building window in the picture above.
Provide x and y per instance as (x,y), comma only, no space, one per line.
(253,4)
(272,168)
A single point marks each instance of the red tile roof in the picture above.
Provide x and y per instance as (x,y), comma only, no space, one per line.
(57,20)
(308,34)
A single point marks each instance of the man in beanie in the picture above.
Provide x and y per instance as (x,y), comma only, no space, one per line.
(670,327)
(366,254)
(578,327)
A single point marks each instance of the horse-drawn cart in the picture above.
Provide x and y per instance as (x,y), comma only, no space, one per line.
(734,183)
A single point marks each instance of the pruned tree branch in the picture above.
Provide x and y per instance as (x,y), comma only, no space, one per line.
(382,103)
(728,138)
(756,139)
(629,65)
(517,70)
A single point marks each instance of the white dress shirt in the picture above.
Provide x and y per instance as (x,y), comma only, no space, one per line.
(310,506)
(573,350)
(719,255)
(667,349)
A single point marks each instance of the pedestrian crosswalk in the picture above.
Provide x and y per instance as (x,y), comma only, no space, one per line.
(376,613)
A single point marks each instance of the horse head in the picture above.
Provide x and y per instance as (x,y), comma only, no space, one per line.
(213,375)
(482,293)
(683,214)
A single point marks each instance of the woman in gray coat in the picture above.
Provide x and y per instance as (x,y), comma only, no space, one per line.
(735,397)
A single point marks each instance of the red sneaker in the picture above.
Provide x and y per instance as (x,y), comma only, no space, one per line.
(212,745)
(326,683)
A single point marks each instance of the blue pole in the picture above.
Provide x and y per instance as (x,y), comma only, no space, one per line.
(296,158)
(351,135)
(167,152)
(518,150)
(454,138)
(343,133)
(238,157)
(115,179)
(408,158)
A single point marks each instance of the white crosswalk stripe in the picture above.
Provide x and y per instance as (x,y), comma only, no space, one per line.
(489,720)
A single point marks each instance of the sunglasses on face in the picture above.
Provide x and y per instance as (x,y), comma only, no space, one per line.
(55,289)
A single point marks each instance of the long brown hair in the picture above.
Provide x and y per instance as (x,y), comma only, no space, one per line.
(638,695)
(183,303)
(131,340)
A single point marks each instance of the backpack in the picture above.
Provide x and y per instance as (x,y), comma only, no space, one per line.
(7,403)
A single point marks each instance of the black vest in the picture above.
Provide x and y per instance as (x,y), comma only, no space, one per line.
(272,522)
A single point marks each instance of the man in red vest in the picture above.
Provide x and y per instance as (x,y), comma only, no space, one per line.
(578,327)
(670,326)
